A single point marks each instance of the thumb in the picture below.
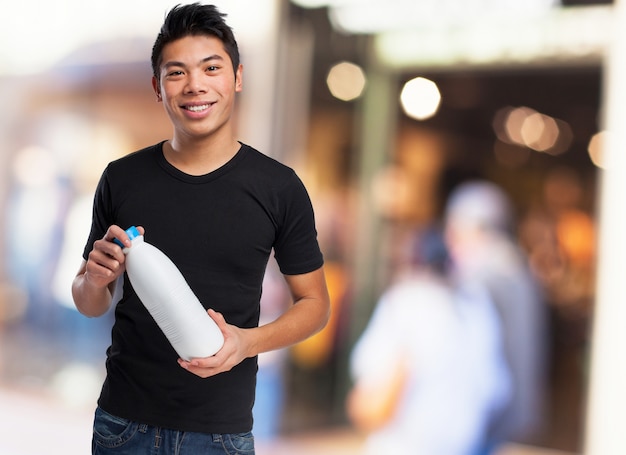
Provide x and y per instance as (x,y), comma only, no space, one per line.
(217,317)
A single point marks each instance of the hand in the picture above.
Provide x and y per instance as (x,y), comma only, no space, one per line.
(232,353)
(106,260)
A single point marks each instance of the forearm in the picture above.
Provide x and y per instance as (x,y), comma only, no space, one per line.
(94,285)
(302,320)
(307,316)
(90,299)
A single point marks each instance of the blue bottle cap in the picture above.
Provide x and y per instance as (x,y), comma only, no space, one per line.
(132,233)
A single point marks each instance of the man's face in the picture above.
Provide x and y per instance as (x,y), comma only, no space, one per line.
(197,86)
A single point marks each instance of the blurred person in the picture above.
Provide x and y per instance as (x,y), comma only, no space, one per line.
(218,208)
(429,371)
(483,250)
(34,219)
(270,382)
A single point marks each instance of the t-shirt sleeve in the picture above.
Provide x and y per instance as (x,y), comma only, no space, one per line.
(296,247)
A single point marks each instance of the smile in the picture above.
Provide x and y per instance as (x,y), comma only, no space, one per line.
(199,108)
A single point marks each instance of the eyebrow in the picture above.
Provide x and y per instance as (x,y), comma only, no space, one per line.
(204,60)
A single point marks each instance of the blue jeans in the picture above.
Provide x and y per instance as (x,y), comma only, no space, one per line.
(117,436)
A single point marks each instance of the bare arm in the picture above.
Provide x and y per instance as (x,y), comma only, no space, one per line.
(94,283)
(307,316)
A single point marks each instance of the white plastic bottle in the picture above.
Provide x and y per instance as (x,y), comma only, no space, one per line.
(164,292)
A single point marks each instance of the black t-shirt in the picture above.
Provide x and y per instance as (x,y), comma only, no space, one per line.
(219,229)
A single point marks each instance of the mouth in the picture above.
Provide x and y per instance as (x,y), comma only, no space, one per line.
(197,107)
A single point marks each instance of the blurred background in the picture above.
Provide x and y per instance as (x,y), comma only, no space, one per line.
(381,107)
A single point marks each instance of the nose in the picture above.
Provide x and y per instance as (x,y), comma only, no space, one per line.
(195,83)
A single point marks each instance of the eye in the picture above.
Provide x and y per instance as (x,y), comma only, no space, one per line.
(173,73)
(212,68)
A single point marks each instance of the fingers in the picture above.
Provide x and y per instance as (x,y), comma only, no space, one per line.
(111,243)
(224,360)
(117,233)
(106,260)
(101,269)
(203,368)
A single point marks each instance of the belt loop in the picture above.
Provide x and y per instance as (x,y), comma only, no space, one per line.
(157,438)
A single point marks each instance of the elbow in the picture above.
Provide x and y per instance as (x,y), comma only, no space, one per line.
(91,306)
(89,313)
(88,310)
(325,316)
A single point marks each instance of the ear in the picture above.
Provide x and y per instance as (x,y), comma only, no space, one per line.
(156,88)
(238,78)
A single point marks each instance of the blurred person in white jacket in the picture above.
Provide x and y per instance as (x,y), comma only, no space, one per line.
(437,349)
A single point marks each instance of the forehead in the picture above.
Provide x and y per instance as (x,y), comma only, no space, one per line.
(193,49)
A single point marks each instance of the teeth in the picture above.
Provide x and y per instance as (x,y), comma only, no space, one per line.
(197,108)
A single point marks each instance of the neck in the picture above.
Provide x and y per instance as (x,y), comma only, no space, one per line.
(199,157)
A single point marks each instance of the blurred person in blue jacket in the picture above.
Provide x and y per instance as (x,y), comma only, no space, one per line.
(429,371)
(479,227)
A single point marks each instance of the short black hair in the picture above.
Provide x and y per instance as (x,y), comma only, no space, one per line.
(194,19)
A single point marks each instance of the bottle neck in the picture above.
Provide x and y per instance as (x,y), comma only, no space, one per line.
(136,242)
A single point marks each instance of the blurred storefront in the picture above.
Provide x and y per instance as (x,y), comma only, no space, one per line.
(497,73)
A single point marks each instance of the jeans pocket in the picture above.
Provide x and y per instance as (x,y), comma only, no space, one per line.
(110,431)
(239,443)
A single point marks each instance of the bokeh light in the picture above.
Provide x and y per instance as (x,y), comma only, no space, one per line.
(539,132)
(596,148)
(346,81)
(525,127)
(420,98)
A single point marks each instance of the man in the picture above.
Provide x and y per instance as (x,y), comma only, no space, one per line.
(217,208)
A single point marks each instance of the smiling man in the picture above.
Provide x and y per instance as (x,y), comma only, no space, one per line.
(218,208)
